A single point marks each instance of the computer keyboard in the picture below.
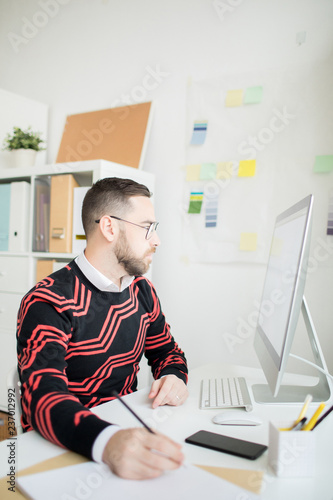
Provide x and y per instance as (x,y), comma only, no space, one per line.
(227,392)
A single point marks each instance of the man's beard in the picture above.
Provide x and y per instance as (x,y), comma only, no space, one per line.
(133,266)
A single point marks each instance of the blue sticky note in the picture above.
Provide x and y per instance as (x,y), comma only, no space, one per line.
(199,133)
(211,212)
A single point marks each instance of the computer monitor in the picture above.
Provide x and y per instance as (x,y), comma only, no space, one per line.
(281,304)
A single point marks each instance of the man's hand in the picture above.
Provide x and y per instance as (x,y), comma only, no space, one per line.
(139,454)
(169,390)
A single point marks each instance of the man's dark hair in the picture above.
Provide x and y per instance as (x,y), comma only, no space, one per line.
(109,196)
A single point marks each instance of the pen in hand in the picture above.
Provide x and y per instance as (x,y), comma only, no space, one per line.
(115,393)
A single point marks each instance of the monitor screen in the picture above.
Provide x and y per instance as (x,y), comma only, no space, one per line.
(282,301)
(281,280)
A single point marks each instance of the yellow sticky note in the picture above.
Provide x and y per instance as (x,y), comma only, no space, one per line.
(247,168)
(193,172)
(224,170)
(248,242)
(234,98)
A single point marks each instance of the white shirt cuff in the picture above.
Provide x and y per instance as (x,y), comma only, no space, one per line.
(101,441)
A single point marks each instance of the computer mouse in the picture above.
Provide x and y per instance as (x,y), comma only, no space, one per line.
(236,417)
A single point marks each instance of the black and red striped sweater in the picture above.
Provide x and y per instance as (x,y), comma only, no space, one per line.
(76,344)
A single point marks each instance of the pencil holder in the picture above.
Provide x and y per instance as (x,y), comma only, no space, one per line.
(291,453)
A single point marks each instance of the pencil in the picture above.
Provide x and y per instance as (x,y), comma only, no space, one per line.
(309,426)
(115,393)
(307,401)
(322,417)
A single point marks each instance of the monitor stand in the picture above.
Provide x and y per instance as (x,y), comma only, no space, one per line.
(297,393)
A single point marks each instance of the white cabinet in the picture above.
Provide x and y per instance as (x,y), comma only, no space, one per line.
(14,273)
(18,270)
(9,304)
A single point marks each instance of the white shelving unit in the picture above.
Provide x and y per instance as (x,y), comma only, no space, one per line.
(18,270)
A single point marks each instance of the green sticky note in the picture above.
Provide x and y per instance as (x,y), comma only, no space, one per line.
(253,95)
(208,171)
(194,207)
(323,164)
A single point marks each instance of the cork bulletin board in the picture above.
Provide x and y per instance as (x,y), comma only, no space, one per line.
(116,134)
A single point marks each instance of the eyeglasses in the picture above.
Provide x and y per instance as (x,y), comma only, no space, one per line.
(150,229)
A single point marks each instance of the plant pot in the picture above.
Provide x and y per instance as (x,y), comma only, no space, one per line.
(23,157)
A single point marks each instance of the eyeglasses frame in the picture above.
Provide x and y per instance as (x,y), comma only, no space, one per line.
(150,229)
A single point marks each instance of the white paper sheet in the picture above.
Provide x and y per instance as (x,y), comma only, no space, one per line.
(95,482)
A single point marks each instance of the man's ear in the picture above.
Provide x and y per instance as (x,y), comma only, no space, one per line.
(108,228)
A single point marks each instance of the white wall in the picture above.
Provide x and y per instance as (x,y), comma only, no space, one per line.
(18,111)
(93,54)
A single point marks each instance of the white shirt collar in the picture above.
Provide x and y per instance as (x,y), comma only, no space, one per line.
(98,279)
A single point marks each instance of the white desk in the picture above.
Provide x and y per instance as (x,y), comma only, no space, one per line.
(182,421)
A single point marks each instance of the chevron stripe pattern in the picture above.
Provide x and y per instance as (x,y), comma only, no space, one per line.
(77,344)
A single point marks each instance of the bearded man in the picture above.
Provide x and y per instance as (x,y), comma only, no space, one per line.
(82,331)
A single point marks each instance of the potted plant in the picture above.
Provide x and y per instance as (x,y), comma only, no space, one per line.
(24,145)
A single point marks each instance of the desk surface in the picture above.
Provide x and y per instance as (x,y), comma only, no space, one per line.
(182,421)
